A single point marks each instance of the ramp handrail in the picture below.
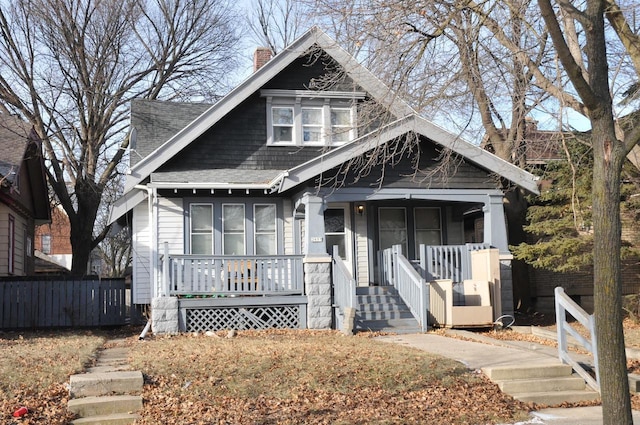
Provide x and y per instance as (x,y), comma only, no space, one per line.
(564,305)
(344,285)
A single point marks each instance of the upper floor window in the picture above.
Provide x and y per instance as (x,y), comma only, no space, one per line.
(45,242)
(317,118)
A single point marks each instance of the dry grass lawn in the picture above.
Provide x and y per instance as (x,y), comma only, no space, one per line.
(34,366)
(293,377)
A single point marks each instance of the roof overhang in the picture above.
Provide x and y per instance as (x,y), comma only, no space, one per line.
(362,76)
(126,203)
(396,129)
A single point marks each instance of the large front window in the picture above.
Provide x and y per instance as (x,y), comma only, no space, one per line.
(201,228)
(233,232)
(427,226)
(392,225)
(265,229)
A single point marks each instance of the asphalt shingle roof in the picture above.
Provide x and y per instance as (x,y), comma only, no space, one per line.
(14,138)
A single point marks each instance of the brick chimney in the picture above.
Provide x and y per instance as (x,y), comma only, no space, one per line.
(261,56)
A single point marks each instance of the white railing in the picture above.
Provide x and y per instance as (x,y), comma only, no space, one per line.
(564,305)
(236,274)
(344,285)
(451,262)
(412,288)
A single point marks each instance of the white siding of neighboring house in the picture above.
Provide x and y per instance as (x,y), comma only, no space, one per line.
(20,224)
(141,291)
(362,249)
(171,225)
(288,222)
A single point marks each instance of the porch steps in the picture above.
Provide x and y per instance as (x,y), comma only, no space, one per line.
(380,309)
(109,394)
(542,384)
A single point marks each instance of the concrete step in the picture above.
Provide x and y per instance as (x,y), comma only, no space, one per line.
(399,326)
(109,368)
(99,384)
(114,419)
(376,290)
(383,315)
(570,383)
(106,405)
(504,373)
(394,306)
(378,299)
(554,398)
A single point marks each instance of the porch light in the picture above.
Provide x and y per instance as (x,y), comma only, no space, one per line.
(360,209)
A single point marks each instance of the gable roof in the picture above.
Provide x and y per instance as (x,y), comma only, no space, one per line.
(362,76)
(14,140)
(418,125)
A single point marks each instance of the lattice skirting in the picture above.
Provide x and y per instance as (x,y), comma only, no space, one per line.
(241,318)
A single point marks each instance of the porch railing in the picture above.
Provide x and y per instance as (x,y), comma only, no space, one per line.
(447,261)
(186,274)
(412,288)
(344,285)
(564,305)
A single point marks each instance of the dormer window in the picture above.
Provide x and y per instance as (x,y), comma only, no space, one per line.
(310,118)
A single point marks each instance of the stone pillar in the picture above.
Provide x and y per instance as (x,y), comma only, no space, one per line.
(164,315)
(317,283)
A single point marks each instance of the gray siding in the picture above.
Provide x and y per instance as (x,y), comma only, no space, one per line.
(171,225)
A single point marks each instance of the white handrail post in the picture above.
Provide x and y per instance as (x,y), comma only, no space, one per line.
(560,320)
(424,301)
(165,270)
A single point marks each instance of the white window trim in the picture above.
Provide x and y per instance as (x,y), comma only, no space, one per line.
(298,99)
(12,245)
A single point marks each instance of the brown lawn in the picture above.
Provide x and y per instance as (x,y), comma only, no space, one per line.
(317,377)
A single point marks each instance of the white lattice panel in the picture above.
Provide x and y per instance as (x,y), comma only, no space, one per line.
(241,318)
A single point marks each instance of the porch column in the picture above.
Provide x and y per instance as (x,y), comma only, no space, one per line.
(317,264)
(495,233)
(495,226)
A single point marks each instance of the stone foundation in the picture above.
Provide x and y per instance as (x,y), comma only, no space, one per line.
(164,315)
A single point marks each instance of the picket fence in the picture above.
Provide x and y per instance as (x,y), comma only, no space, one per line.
(36,302)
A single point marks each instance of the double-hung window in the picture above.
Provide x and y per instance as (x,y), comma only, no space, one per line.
(264,229)
(305,117)
(201,228)
(233,229)
(282,119)
(428,227)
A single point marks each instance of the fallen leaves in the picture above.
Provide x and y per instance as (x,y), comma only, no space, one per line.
(292,377)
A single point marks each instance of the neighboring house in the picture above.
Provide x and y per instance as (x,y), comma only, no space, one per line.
(24,201)
(235,207)
(54,239)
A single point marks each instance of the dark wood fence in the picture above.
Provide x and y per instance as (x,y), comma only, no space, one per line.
(36,302)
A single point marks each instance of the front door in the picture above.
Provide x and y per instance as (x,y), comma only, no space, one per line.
(336,227)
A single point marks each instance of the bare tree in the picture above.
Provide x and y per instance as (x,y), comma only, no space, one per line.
(70,67)
(502,48)
(277,23)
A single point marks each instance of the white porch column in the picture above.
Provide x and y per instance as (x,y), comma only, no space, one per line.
(495,225)
(317,264)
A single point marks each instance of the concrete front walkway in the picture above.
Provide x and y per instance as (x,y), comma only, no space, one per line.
(494,353)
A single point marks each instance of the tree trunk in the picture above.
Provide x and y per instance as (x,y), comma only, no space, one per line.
(608,158)
(88,195)
(516,213)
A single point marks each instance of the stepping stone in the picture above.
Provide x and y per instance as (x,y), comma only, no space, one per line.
(97,406)
(99,384)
